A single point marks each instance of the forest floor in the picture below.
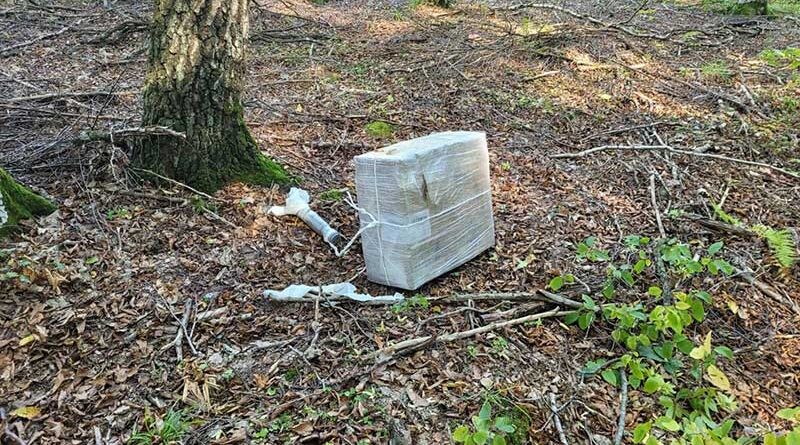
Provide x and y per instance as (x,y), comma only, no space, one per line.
(90,296)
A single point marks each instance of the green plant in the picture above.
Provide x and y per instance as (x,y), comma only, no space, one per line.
(559,281)
(417,301)
(499,345)
(118,213)
(792,415)
(659,357)
(379,129)
(485,429)
(588,251)
(787,58)
(780,241)
(332,195)
(166,431)
(716,70)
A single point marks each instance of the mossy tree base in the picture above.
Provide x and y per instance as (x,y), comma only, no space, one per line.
(193,86)
(19,202)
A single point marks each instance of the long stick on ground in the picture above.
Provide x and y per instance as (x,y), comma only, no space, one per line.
(589,151)
(654,201)
(557,420)
(623,403)
(387,353)
(540,295)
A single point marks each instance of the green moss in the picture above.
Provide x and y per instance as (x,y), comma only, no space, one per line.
(266,172)
(20,203)
(379,129)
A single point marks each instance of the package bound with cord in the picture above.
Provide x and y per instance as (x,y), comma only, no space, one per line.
(425,206)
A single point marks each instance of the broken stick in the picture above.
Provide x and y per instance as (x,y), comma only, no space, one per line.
(389,352)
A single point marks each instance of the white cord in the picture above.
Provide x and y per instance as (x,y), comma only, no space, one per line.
(373,223)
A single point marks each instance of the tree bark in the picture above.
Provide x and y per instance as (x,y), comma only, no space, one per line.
(193,86)
(18,202)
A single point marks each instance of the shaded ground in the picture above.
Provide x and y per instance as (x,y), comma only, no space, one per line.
(106,271)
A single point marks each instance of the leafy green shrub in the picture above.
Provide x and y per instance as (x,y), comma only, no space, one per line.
(659,357)
(485,429)
(790,437)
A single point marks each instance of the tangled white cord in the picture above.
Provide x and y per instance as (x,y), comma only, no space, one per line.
(373,223)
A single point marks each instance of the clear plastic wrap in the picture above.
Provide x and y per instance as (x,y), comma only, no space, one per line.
(431,199)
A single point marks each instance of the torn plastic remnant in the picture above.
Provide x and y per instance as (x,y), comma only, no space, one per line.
(297,204)
(302,292)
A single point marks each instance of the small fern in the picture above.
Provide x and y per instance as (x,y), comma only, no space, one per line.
(780,242)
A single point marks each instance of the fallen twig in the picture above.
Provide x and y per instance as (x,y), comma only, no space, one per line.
(720,226)
(7,433)
(670,149)
(182,331)
(623,403)
(541,295)
(48,96)
(11,50)
(557,420)
(178,183)
(126,133)
(387,353)
(615,26)
(654,201)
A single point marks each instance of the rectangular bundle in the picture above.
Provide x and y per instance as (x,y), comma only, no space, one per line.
(431,199)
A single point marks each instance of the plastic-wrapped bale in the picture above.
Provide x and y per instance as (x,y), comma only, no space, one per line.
(432,200)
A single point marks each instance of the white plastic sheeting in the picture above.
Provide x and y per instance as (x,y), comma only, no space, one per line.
(302,292)
(297,204)
(427,206)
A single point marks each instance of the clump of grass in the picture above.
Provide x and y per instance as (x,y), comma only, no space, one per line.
(716,70)
(166,431)
(788,58)
(379,129)
(332,195)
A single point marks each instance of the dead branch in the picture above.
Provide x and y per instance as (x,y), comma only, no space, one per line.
(720,226)
(623,403)
(670,149)
(50,96)
(13,49)
(187,311)
(178,183)
(655,205)
(588,18)
(557,420)
(541,295)
(388,353)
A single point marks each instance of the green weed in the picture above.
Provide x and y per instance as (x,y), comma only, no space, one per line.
(166,431)
(379,129)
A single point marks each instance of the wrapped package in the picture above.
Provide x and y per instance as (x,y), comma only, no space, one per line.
(431,202)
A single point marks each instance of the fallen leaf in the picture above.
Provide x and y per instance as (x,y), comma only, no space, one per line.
(29,339)
(27,412)
(303,428)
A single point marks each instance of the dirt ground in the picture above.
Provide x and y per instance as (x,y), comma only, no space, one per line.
(88,337)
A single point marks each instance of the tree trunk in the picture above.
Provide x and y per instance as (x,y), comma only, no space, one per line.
(17,202)
(193,86)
